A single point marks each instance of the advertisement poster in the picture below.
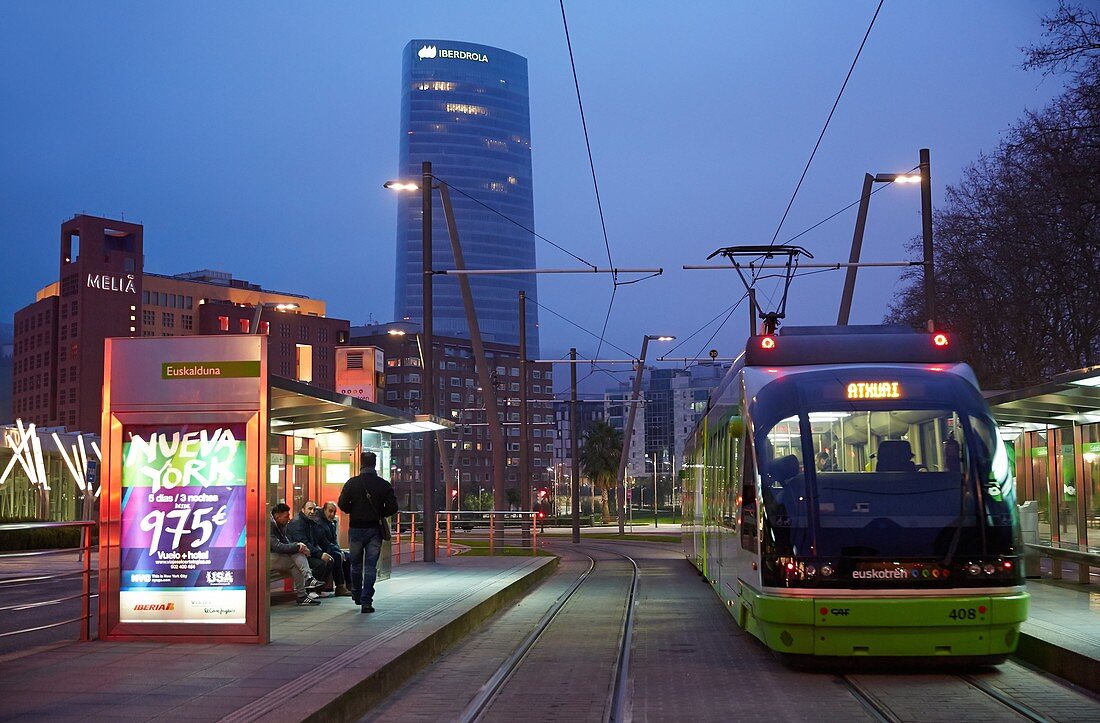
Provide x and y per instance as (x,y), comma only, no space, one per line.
(182,556)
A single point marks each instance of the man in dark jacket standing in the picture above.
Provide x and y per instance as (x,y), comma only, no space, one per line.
(303,529)
(368,500)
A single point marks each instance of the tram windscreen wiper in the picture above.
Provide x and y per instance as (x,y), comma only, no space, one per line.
(958,523)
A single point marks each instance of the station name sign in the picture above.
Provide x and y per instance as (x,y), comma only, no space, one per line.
(106,282)
(429,52)
(209,370)
(874,390)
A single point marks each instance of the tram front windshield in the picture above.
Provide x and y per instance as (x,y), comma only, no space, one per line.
(885,478)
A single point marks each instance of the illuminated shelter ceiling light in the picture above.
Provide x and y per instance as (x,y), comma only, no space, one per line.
(1093,381)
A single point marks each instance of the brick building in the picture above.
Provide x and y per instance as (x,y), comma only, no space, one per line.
(459,399)
(103,291)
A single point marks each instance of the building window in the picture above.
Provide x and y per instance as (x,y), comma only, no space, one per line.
(284,331)
(168,319)
(322,334)
(223,323)
(245,323)
(304,362)
(148,318)
(187,321)
(465,109)
(303,332)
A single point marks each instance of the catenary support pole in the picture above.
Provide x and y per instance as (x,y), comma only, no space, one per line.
(575,486)
(428,400)
(627,431)
(481,363)
(926,223)
(853,256)
(524,450)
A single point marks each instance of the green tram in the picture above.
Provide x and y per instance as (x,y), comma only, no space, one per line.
(847,494)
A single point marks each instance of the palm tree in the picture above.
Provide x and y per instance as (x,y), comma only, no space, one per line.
(603,446)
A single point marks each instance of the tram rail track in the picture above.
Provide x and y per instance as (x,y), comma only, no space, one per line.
(618,707)
(872,700)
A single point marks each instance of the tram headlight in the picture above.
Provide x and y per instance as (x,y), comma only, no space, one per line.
(974,568)
(827,570)
(988,569)
(810,570)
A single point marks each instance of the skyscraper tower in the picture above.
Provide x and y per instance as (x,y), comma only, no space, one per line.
(465,108)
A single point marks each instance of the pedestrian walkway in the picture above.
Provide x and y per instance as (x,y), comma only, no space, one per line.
(1062,632)
(326,662)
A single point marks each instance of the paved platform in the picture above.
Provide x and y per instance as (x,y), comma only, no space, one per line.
(1062,632)
(325,663)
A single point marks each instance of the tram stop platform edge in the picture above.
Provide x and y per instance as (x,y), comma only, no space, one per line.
(1062,631)
(329,662)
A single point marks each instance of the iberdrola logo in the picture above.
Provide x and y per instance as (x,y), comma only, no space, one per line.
(428,51)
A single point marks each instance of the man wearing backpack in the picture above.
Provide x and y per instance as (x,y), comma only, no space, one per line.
(368,500)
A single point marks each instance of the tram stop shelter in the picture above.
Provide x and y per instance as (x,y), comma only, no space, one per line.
(1053,429)
(199,440)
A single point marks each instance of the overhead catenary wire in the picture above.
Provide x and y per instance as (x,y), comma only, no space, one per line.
(511,220)
(575,324)
(831,216)
(821,135)
(826,126)
(592,168)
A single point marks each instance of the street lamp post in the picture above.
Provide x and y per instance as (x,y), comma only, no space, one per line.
(260,306)
(629,428)
(654,489)
(924,179)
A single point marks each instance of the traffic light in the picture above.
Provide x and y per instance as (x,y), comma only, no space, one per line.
(543,494)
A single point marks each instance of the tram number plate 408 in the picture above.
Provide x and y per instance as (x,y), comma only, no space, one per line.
(966,613)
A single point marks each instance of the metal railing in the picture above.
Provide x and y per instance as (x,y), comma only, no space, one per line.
(86,595)
(504,529)
(406,530)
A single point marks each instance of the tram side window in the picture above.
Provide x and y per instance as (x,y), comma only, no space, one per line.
(747,520)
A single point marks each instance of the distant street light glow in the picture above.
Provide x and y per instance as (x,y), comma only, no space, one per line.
(401,186)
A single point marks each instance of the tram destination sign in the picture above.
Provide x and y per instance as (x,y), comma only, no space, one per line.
(874,390)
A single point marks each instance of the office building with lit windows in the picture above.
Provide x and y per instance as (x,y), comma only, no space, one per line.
(468,445)
(465,108)
(103,291)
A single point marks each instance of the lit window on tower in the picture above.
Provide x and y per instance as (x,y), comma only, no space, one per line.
(435,85)
(465,108)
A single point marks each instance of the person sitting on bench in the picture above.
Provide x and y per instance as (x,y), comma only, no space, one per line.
(287,556)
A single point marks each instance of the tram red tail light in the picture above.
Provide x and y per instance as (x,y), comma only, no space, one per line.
(767,342)
(941,340)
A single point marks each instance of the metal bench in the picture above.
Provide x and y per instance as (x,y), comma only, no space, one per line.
(1083,557)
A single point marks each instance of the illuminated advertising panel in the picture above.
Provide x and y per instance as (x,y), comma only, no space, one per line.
(183,522)
(183,515)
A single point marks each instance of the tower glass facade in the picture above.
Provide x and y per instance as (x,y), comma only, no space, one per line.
(464,108)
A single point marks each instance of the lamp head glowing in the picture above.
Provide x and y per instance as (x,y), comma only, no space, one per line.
(662,337)
(396,332)
(401,186)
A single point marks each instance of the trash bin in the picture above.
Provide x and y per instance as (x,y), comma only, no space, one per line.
(1029,532)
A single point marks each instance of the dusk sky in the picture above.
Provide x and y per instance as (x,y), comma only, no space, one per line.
(254,138)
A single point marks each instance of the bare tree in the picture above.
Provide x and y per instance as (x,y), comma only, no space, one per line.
(1018,240)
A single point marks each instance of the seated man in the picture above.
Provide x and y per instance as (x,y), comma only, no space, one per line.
(287,555)
(303,529)
(327,537)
